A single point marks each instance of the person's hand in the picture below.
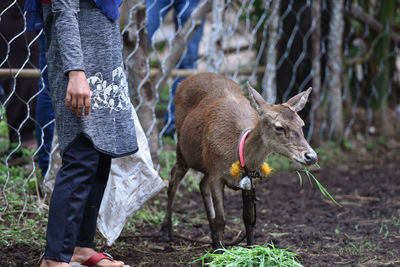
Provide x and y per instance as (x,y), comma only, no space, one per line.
(78,93)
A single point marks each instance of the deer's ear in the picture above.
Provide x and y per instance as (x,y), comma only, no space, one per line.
(255,98)
(299,101)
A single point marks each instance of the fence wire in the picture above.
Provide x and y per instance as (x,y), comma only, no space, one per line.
(346,50)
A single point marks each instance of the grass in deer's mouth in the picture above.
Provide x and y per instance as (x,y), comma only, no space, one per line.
(253,256)
(324,192)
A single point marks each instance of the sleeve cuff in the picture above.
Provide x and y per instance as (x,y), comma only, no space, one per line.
(72,68)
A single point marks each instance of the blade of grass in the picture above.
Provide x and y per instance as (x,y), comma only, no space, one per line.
(323,190)
(300,178)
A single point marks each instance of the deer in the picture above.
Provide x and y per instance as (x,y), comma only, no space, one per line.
(211,113)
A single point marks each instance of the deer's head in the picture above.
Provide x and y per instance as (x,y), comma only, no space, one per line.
(281,126)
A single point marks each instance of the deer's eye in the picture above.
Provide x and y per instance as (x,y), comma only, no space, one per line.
(279,128)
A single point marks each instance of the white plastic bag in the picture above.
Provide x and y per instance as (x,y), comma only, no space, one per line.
(131,183)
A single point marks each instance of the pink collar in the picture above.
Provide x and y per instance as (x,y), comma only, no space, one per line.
(241,147)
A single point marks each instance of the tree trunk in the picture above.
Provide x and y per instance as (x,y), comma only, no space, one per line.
(335,69)
(382,60)
(383,66)
(135,53)
(316,70)
(215,54)
(269,78)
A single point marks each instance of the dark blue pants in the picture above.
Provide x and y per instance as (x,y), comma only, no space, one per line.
(76,200)
(44,113)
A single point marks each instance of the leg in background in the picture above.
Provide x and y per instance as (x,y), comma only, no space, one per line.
(156,12)
(20,107)
(19,110)
(44,113)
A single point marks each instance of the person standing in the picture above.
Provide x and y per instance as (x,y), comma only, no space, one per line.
(156,12)
(94,121)
(44,128)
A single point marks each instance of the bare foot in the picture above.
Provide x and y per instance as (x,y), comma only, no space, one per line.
(82,254)
(30,144)
(51,263)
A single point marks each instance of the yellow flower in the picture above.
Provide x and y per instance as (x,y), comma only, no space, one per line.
(235,169)
(266,169)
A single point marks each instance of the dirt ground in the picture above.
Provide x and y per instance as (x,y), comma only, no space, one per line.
(364,231)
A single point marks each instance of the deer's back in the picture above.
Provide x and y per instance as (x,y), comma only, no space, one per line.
(210,112)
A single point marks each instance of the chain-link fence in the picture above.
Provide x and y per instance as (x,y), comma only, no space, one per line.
(346,50)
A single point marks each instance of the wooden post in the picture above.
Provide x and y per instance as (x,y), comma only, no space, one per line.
(269,78)
(335,68)
(135,53)
(316,70)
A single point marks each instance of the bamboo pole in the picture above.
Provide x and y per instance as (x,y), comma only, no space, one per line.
(24,73)
(35,73)
(187,72)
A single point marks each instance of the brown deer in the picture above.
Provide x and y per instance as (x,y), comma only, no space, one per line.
(211,114)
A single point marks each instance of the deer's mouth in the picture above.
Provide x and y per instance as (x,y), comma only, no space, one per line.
(299,160)
(307,158)
(310,158)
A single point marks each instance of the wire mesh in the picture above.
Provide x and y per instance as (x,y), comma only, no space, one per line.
(281,46)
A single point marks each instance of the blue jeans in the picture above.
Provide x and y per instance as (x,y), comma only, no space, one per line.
(44,113)
(156,12)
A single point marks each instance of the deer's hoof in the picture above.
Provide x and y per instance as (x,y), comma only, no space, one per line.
(166,233)
(217,245)
(250,243)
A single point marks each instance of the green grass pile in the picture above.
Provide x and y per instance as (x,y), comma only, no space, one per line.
(253,256)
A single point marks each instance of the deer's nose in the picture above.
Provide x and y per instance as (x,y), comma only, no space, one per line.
(310,157)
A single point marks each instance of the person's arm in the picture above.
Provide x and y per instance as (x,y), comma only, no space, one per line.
(67,33)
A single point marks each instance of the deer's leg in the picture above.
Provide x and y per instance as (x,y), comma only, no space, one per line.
(249,213)
(209,205)
(177,174)
(218,223)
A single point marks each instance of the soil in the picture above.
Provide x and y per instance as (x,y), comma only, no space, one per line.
(364,231)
